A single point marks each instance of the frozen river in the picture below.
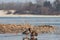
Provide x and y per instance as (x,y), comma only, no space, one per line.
(55,21)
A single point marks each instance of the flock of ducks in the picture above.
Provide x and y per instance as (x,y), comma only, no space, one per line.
(33,33)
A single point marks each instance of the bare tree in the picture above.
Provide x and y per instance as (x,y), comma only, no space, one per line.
(40,2)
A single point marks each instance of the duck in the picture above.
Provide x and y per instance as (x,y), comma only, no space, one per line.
(26,38)
(33,38)
(26,32)
(34,33)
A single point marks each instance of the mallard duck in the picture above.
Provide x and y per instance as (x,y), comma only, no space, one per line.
(33,33)
(26,38)
(26,32)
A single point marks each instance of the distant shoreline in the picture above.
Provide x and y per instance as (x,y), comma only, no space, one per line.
(29,15)
(3,13)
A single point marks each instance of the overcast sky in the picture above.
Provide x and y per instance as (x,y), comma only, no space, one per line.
(20,0)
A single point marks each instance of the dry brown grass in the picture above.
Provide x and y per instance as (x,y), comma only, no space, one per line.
(14,28)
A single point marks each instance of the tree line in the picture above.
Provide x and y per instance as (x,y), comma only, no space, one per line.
(47,8)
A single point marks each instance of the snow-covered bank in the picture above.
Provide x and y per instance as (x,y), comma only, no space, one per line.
(3,13)
(29,15)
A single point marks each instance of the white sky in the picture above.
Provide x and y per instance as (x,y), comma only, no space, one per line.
(21,0)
